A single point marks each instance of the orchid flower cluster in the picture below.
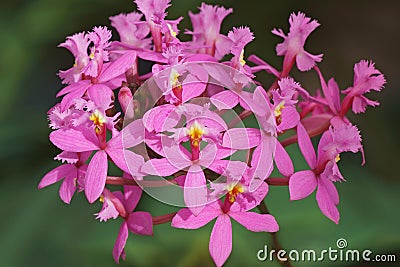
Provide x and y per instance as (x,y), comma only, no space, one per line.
(187,124)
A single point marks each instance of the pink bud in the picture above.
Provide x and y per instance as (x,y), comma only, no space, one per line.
(125,98)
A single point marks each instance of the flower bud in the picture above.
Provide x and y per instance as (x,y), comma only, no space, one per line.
(125,98)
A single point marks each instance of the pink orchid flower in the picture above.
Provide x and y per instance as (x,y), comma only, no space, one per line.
(87,140)
(240,37)
(366,78)
(78,45)
(154,12)
(212,157)
(123,204)
(236,206)
(132,30)
(107,80)
(293,45)
(237,190)
(206,31)
(73,173)
(284,100)
(170,31)
(324,170)
(96,73)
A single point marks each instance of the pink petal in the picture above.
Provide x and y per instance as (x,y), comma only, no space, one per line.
(192,88)
(221,74)
(57,174)
(226,99)
(222,45)
(67,157)
(290,118)
(302,184)
(331,92)
(261,98)
(96,175)
(324,142)
(306,146)
(247,102)
(200,57)
(132,133)
(149,116)
(326,203)
(206,117)
(157,141)
(177,155)
(198,71)
(208,155)
(360,104)
(74,141)
(118,67)
(224,152)
(195,189)
(241,138)
(187,220)
(334,95)
(152,56)
(118,250)
(126,160)
(256,222)
(130,136)
(240,37)
(79,86)
(221,240)
(165,119)
(236,169)
(67,189)
(162,167)
(283,161)
(132,195)
(330,189)
(69,99)
(140,223)
(305,61)
(262,160)
(101,95)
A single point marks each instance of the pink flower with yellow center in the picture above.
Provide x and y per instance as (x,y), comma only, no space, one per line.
(238,201)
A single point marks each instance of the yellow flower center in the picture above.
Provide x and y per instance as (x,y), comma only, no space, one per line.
(98,119)
(337,158)
(278,109)
(171,31)
(241,60)
(195,133)
(233,191)
(173,78)
(101,199)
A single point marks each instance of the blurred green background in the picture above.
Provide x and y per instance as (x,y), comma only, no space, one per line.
(37,229)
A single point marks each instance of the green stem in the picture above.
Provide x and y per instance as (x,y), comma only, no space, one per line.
(163,218)
(276,245)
